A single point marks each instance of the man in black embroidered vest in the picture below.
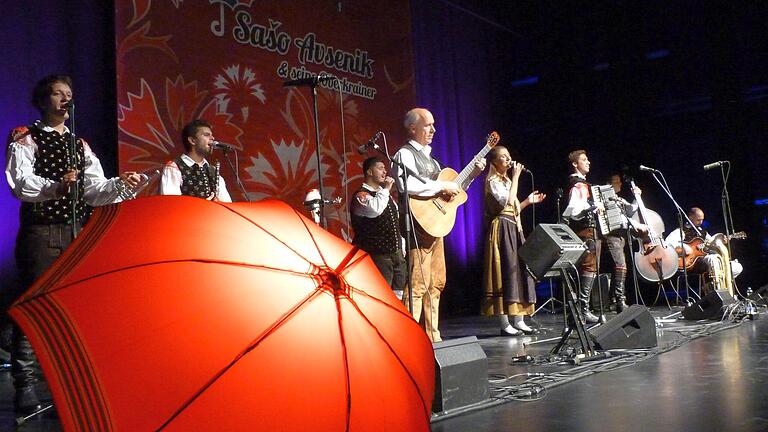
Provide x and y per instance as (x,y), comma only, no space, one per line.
(39,172)
(191,174)
(375,220)
(427,254)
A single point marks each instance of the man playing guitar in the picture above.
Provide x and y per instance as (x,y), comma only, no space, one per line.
(706,261)
(428,272)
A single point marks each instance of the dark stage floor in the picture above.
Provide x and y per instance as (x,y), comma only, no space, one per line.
(707,377)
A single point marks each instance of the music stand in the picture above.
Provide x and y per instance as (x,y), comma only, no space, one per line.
(552,250)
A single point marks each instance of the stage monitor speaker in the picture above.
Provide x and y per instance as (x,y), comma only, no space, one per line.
(633,328)
(760,296)
(549,248)
(461,374)
(709,307)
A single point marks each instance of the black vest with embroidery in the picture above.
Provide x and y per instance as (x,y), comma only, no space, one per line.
(379,235)
(587,219)
(196,181)
(52,162)
(425,166)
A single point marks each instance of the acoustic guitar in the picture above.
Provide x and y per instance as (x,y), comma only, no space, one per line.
(436,215)
(696,249)
(656,261)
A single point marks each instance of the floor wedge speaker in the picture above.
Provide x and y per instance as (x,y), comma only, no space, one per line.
(461,374)
(709,307)
(633,328)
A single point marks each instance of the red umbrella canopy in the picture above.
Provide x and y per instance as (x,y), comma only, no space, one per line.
(176,313)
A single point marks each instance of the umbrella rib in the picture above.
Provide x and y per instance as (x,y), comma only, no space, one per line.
(117,270)
(309,232)
(276,238)
(346,361)
(391,349)
(271,329)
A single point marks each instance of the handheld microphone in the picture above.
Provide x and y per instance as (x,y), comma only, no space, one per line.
(713,165)
(649,169)
(362,149)
(309,81)
(221,145)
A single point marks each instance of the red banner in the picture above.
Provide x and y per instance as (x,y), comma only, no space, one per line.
(226,60)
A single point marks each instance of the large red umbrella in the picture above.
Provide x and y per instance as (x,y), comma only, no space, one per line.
(176,313)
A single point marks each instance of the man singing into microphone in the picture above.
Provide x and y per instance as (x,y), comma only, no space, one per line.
(191,174)
(427,254)
(42,173)
(376,223)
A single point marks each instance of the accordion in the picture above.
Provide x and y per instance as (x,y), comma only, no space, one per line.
(612,219)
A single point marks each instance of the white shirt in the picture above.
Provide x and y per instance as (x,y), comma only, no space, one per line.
(30,187)
(578,199)
(673,238)
(368,205)
(500,190)
(170,182)
(415,186)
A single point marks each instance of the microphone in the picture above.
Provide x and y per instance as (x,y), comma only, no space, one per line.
(649,169)
(370,143)
(69,105)
(713,165)
(309,81)
(221,145)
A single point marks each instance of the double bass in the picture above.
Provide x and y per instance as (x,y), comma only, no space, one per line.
(656,261)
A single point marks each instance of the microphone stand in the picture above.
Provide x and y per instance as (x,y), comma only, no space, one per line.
(74,190)
(680,215)
(405,173)
(314,82)
(235,168)
(725,203)
(533,205)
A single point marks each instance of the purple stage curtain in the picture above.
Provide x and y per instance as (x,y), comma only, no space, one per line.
(42,37)
(455,57)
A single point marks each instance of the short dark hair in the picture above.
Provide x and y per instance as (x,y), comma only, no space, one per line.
(573,157)
(44,87)
(370,162)
(191,129)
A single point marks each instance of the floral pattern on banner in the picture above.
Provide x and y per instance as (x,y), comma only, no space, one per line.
(178,61)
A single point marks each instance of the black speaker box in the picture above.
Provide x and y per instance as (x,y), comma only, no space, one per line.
(461,374)
(760,296)
(709,307)
(633,328)
(551,246)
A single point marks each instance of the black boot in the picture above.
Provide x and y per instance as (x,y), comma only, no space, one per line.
(618,295)
(23,365)
(585,289)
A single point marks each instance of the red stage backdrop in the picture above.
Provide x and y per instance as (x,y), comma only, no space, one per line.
(225,61)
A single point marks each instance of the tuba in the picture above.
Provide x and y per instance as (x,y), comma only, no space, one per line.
(722,278)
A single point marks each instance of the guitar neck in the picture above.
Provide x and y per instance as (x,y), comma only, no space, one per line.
(467,171)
